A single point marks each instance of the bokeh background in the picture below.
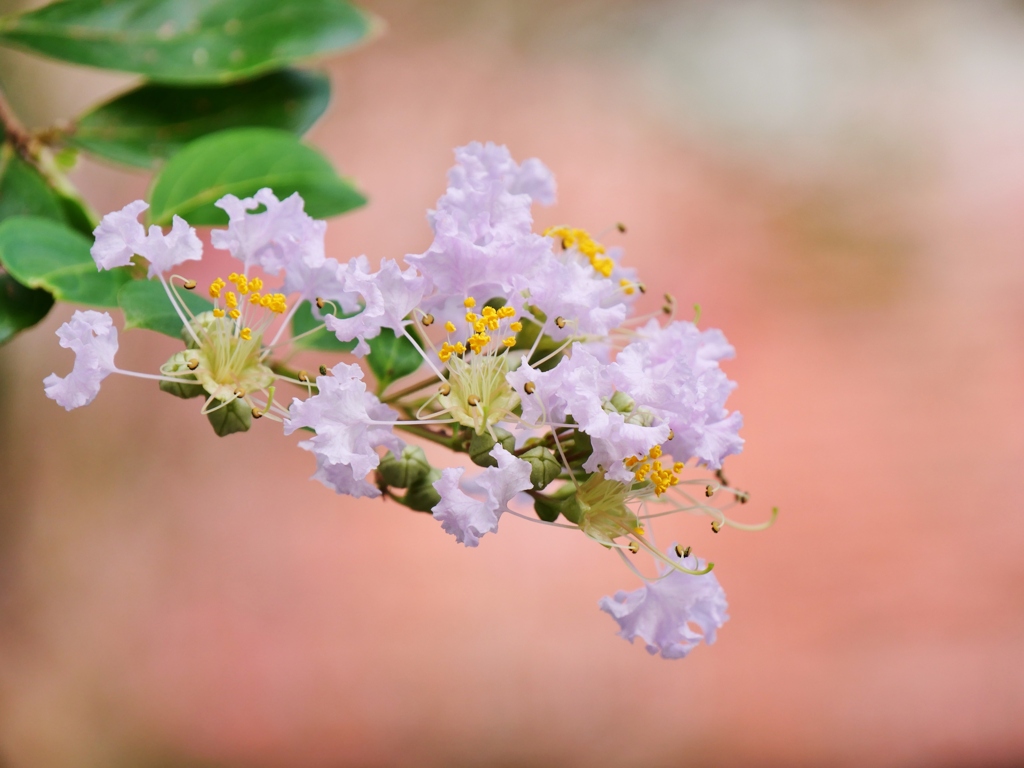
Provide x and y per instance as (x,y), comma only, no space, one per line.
(840,185)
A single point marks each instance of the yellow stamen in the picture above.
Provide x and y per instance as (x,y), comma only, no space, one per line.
(449,326)
(517,327)
(246,334)
(218,313)
(509,341)
(234,314)
(469,303)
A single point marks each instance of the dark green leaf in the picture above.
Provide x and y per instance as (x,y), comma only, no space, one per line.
(392,357)
(188,41)
(20,307)
(41,253)
(23,192)
(322,339)
(76,216)
(153,122)
(242,161)
(145,305)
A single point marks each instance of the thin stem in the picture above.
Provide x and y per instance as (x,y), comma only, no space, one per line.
(410,390)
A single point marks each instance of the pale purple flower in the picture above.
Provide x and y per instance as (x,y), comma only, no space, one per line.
(119,236)
(388,296)
(274,238)
(483,244)
(587,389)
(667,613)
(674,371)
(168,251)
(468,518)
(350,425)
(93,338)
(593,305)
(545,404)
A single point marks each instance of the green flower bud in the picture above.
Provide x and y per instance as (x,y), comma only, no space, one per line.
(544,467)
(422,496)
(404,471)
(234,417)
(187,386)
(549,507)
(622,403)
(480,446)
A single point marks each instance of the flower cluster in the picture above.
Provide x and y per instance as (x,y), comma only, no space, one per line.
(538,368)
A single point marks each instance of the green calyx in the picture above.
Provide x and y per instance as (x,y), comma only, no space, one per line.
(404,471)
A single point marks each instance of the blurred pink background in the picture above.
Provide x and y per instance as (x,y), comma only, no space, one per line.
(840,185)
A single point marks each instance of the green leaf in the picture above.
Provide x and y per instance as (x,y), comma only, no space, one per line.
(41,253)
(392,357)
(241,161)
(304,321)
(153,122)
(145,305)
(20,307)
(23,191)
(188,41)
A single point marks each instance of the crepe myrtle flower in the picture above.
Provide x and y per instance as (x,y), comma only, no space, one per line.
(228,349)
(536,364)
(667,612)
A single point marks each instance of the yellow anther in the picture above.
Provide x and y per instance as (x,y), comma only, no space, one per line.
(445,389)
(631,462)
(256,284)
(189,285)
(257,413)
(469,303)
(192,364)
(506,312)
(671,434)
(473,400)
(492,323)
(480,326)
(303,376)
(656,453)
(716,526)
(560,321)
(517,327)
(459,348)
(232,299)
(509,341)
(239,393)
(243,285)
(449,326)
(639,530)
(218,313)
(428,320)
(246,334)
(234,314)
(471,317)
(634,547)
(233,276)
(216,287)
(478,341)
(489,312)
(319,303)
(678,466)
(603,265)
(446,352)
(529,387)
(254,298)
(627,287)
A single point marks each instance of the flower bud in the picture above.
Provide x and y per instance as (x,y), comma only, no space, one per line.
(549,507)
(480,446)
(404,471)
(187,386)
(622,403)
(422,496)
(544,467)
(236,416)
